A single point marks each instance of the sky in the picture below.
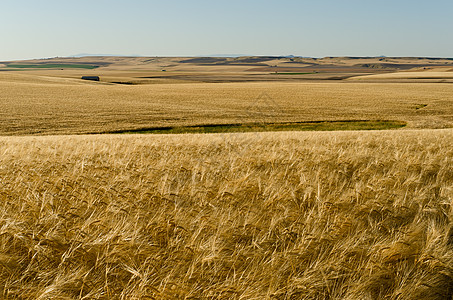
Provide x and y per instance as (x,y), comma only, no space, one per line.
(314,28)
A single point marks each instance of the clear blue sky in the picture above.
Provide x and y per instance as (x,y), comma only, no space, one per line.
(48,28)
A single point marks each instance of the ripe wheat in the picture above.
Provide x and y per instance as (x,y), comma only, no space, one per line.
(339,215)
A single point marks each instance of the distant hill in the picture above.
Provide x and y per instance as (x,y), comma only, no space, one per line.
(290,64)
(98,55)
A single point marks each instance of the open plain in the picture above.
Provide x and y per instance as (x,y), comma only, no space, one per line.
(136,94)
(91,209)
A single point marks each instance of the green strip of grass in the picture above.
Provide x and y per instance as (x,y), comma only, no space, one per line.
(51,66)
(284,73)
(256,127)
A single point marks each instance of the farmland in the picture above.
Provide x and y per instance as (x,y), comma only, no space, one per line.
(219,178)
(50,66)
(244,216)
(134,94)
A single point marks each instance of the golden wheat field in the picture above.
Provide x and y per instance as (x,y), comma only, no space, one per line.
(257,215)
(34,104)
(333,215)
(47,96)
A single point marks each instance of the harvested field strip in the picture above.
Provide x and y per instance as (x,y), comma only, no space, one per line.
(51,66)
(263,127)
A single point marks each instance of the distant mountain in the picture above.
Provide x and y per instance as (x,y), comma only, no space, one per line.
(224,55)
(91,54)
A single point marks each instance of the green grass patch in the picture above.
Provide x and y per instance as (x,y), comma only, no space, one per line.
(258,127)
(51,66)
(289,73)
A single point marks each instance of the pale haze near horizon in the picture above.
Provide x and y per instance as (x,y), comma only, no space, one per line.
(50,28)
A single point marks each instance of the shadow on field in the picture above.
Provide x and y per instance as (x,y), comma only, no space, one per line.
(264,127)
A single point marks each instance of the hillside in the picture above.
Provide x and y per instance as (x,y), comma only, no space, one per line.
(45,102)
(254,64)
(346,214)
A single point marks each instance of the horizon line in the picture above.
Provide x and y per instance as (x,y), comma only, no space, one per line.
(226,56)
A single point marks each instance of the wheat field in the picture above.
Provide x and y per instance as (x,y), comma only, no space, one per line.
(258,215)
(42,105)
(333,215)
